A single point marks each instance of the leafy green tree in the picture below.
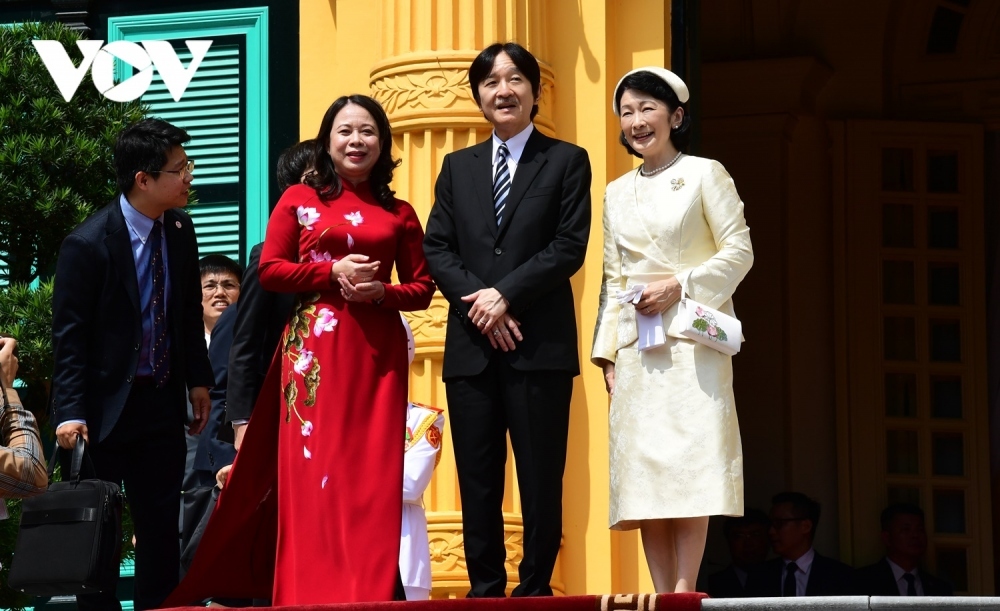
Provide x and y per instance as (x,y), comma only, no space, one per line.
(55,156)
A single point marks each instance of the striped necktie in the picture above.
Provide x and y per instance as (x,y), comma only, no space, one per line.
(501,183)
(161,363)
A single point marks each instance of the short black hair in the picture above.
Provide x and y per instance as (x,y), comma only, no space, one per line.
(144,147)
(749,518)
(326,182)
(899,509)
(482,66)
(803,506)
(219,264)
(650,84)
(294,161)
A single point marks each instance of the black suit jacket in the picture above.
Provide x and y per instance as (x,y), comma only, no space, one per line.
(877,580)
(827,577)
(96,325)
(261,317)
(215,452)
(529,258)
(725,584)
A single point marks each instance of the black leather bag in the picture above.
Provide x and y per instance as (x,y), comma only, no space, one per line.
(69,541)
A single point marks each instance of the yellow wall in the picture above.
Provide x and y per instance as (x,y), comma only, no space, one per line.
(413,53)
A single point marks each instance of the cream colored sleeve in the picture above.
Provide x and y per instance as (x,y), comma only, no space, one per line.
(606,331)
(714,281)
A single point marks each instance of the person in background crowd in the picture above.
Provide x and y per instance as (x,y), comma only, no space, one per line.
(509,227)
(22,464)
(220,292)
(798,570)
(748,547)
(904,536)
(220,288)
(128,344)
(424,430)
(261,315)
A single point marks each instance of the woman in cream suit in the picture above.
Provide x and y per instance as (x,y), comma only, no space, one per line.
(675,225)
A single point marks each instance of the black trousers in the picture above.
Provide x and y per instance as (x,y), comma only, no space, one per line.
(534,407)
(145,454)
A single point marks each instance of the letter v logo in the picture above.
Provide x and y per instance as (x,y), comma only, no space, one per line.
(175,77)
(66,76)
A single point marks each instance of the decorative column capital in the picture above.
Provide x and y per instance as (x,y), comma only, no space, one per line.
(428,90)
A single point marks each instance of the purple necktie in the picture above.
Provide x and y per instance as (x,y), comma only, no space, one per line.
(161,356)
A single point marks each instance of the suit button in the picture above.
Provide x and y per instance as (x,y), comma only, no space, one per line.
(498,251)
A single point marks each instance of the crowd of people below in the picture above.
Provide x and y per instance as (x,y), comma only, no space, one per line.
(797,569)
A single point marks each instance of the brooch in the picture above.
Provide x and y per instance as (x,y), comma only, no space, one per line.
(677,183)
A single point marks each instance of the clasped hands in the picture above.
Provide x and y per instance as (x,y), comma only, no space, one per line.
(489,314)
(354,273)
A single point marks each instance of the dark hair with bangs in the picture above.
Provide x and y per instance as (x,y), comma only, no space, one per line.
(482,66)
(751,517)
(219,264)
(143,147)
(899,509)
(326,182)
(650,84)
(804,508)
(293,163)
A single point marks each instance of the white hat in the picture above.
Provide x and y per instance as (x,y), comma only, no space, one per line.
(672,80)
(411,346)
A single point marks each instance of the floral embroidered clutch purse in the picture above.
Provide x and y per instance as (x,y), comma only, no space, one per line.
(710,327)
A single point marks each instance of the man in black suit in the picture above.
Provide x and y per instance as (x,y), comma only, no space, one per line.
(747,538)
(798,570)
(128,342)
(259,320)
(508,229)
(261,315)
(898,573)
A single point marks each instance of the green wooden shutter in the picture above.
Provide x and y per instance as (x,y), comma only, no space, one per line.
(210,110)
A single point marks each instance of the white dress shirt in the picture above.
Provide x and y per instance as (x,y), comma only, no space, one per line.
(898,572)
(804,562)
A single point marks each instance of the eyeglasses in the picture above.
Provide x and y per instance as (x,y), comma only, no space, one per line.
(189,169)
(211,287)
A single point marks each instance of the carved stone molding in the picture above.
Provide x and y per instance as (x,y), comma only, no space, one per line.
(429,325)
(431,90)
(447,547)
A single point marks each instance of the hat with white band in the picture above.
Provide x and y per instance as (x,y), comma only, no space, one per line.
(672,80)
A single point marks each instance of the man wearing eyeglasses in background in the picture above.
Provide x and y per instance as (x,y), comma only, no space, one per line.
(798,570)
(128,343)
(220,289)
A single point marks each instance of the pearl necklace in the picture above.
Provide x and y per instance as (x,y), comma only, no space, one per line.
(661,168)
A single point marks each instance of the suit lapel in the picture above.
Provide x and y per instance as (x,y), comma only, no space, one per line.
(119,245)
(531,162)
(482,178)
